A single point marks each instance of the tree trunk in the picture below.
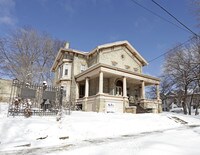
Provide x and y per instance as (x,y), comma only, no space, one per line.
(196,110)
(184,108)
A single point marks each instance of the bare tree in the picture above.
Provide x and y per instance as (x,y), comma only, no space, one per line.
(178,68)
(182,67)
(196,8)
(27,55)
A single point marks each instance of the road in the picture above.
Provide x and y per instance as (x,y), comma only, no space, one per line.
(181,140)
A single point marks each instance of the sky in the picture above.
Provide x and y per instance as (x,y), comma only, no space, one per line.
(86,24)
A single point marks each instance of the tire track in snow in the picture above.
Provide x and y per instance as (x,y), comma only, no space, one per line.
(92,142)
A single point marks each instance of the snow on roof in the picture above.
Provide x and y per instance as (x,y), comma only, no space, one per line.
(118,43)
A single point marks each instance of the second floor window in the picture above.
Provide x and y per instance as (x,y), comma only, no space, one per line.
(66,71)
(61,71)
(83,68)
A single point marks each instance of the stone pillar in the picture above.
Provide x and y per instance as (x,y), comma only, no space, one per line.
(142,90)
(157,92)
(101,83)
(77,90)
(87,87)
(124,87)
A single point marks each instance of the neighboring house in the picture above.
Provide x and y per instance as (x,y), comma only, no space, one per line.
(107,79)
(174,99)
(5,90)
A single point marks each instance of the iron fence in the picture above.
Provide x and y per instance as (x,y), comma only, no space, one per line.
(33,99)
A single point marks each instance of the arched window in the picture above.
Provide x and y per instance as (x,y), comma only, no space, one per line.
(119,87)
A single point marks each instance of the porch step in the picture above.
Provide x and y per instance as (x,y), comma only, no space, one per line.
(140,110)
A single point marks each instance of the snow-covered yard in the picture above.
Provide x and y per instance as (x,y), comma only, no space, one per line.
(100,133)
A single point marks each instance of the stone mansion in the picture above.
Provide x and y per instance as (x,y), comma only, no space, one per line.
(107,79)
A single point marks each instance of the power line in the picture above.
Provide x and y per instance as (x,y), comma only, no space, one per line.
(157,15)
(170,50)
(174,18)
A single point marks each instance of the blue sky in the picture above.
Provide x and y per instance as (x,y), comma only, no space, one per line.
(88,23)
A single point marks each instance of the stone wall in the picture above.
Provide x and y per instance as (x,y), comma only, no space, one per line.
(78,61)
(120,57)
(93,60)
(5,90)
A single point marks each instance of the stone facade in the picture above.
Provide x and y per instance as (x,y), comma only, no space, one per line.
(5,90)
(106,79)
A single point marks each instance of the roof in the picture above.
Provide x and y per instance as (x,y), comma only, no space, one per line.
(127,44)
(118,43)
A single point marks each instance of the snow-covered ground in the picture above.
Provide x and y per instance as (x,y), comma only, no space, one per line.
(100,133)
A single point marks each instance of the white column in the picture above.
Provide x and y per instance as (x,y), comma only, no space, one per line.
(142,90)
(124,87)
(77,90)
(157,92)
(101,83)
(87,87)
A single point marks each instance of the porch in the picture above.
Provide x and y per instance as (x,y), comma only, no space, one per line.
(104,88)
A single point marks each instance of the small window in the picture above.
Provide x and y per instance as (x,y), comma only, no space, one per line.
(66,71)
(83,68)
(61,71)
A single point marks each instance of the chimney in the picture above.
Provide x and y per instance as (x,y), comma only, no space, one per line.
(67,45)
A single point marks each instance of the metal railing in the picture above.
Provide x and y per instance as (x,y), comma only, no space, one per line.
(33,99)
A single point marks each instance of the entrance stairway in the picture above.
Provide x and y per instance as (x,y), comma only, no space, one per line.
(140,110)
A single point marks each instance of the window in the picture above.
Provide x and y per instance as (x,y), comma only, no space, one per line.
(81,91)
(66,71)
(61,71)
(83,68)
(119,86)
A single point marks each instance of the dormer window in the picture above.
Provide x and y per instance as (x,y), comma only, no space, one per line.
(114,63)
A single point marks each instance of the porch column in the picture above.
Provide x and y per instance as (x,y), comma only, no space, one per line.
(87,87)
(124,87)
(142,90)
(77,90)
(157,92)
(101,82)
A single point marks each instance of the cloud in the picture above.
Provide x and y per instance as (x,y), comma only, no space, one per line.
(6,12)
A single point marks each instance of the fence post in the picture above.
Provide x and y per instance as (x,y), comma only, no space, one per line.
(61,97)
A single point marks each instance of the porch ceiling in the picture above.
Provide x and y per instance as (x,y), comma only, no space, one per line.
(110,71)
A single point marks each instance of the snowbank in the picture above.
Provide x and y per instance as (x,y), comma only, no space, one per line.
(79,126)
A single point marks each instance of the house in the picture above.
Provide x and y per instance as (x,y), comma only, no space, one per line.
(107,79)
(174,99)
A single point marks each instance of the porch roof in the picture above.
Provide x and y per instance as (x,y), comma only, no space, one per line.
(94,71)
